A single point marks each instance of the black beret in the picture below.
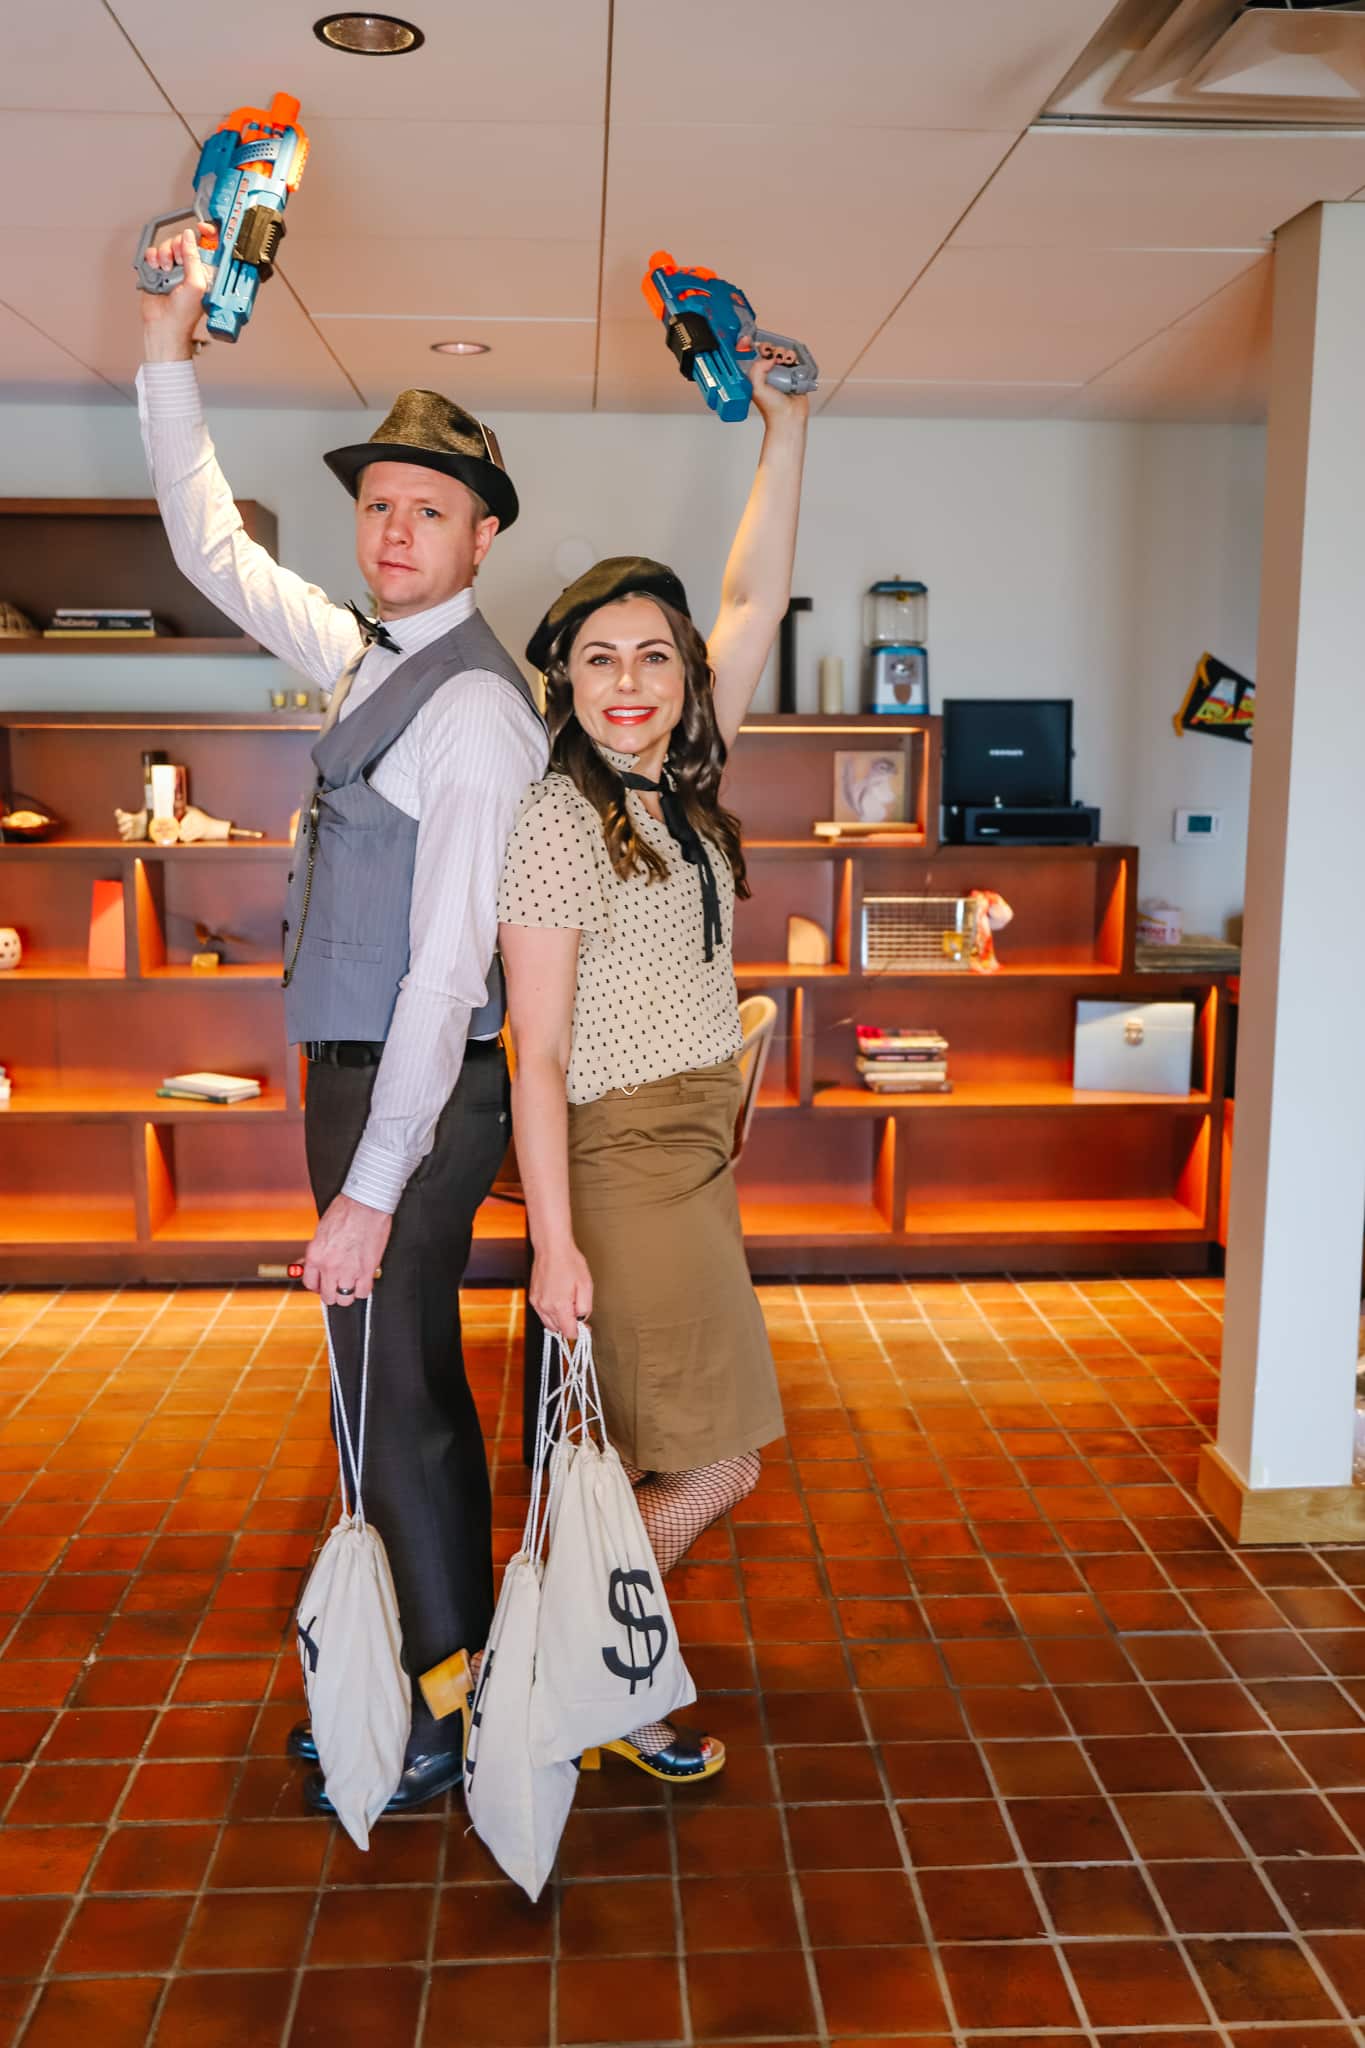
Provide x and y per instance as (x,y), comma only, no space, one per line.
(434,432)
(618,576)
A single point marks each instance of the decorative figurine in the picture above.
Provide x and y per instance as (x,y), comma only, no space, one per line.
(197,826)
(23,818)
(14,625)
(11,948)
(212,947)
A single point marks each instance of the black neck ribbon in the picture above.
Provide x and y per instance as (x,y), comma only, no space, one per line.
(376,632)
(693,849)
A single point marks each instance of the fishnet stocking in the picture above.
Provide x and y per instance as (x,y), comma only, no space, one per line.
(675,1508)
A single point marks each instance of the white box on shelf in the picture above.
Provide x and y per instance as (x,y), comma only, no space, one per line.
(1134,1048)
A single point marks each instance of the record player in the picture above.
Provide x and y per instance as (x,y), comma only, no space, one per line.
(1007,774)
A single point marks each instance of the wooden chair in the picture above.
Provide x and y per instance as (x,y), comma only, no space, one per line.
(758,1022)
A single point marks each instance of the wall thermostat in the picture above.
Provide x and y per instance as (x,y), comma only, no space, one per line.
(1193,826)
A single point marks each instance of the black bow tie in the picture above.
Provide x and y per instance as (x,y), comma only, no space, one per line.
(376,632)
(693,850)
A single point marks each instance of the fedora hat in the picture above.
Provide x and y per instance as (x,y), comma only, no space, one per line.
(434,432)
(618,576)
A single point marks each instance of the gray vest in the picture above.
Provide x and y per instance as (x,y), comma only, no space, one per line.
(346,944)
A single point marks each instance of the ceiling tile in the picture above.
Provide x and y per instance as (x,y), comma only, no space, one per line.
(69,54)
(869,398)
(457,281)
(111,171)
(32,366)
(1037,315)
(533,365)
(480,179)
(91,304)
(1212,365)
(863,63)
(521,60)
(875,206)
(1084,188)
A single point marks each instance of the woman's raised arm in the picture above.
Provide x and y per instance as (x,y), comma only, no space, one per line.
(758,573)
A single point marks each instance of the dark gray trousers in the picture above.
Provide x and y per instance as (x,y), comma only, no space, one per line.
(426,1474)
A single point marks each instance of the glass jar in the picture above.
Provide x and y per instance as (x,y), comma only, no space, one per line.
(896,614)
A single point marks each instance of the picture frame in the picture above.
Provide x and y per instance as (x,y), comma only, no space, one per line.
(870,786)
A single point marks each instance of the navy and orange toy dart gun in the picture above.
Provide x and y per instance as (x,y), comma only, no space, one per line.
(247,170)
(713,331)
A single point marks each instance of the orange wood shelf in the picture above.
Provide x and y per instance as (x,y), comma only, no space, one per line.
(253,974)
(136,646)
(785,1219)
(63,1220)
(142,849)
(246,1222)
(997,1097)
(113,553)
(1046,1222)
(112,1104)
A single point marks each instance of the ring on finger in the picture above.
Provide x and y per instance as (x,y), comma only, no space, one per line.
(345,1290)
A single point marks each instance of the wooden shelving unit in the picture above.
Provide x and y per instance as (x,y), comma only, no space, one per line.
(1014,1170)
(112,552)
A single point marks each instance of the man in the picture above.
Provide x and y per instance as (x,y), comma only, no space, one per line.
(392,983)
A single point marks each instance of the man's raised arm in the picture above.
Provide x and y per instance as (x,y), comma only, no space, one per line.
(291,617)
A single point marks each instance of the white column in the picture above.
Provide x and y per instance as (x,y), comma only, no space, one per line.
(1298,1177)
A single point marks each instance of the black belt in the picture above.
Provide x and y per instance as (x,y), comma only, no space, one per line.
(368,1052)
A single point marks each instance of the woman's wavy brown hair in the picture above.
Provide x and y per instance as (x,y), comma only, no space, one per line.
(695,760)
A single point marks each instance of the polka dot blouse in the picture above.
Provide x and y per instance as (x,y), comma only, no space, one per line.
(648,1003)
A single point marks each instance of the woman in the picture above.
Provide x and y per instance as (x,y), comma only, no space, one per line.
(616,916)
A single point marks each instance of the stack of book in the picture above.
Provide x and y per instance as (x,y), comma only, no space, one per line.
(1192,955)
(909,1061)
(208,1088)
(100,622)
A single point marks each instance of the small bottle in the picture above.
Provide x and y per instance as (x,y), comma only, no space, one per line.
(163,828)
(151,759)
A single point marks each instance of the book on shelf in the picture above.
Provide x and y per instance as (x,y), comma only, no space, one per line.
(103,622)
(891,1083)
(909,1059)
(1191,955)
(209,1088)
(913,1070)
(917,1037)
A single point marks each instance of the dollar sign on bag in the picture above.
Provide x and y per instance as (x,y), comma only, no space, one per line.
(633,1618)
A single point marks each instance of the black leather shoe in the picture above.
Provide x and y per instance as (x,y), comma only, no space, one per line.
(424,1778)
(300,1744)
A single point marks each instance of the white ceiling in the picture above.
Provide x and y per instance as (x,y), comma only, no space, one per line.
(869,172)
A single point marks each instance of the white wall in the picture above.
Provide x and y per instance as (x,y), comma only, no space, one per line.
(1063,559)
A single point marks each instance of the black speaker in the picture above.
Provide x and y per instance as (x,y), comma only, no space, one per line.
(1022,824)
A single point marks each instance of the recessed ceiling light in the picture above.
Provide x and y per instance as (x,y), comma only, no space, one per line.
(368,35)
(459,348)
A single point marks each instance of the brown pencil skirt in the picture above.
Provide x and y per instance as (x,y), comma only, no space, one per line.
(682,1353)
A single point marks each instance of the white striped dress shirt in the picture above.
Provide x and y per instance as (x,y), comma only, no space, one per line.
(460,768)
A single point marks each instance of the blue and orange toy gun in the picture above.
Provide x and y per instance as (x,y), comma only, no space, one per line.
(247,170)
(713,331)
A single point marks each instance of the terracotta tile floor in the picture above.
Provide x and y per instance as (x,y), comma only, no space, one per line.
(1021,1751)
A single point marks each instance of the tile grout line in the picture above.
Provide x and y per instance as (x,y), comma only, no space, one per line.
(927,1929)
(82,1891)
(822,2031)
(172,1973)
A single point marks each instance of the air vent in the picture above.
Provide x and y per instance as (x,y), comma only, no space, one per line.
(1244,61)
